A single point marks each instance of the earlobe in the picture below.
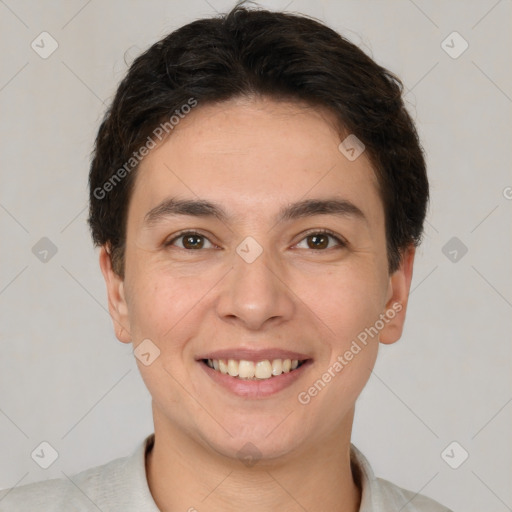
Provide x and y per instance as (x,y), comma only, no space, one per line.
(396,306)
(117,305)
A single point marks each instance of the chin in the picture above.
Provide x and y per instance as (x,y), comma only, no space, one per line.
(256,442)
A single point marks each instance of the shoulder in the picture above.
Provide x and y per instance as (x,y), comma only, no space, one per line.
(389,493)
(380,495)
(79,492)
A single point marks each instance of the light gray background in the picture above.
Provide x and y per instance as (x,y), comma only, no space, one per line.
(65,379)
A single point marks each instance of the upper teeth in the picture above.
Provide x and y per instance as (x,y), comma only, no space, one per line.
(250,370)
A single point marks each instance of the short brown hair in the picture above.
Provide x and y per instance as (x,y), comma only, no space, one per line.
(273,54)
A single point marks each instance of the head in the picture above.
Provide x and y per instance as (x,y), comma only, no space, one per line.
(257,183)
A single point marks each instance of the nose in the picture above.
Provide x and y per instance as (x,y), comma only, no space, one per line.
(256,293)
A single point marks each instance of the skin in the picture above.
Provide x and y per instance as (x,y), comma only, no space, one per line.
(253,156)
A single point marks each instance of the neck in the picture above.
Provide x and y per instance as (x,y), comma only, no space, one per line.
(183,475)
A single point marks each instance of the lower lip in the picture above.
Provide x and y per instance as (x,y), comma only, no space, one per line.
(255,388)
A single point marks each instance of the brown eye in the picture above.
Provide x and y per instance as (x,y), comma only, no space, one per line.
(190,241)
(193,242)
(320,240)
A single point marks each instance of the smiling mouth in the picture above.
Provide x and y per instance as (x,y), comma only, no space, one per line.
(250,370)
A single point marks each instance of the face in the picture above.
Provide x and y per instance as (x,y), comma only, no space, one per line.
(284,258)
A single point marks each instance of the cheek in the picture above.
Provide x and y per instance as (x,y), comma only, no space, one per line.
(350,304)
(344,301)
(169,306)
(159,304)
(163,309)
(344,304)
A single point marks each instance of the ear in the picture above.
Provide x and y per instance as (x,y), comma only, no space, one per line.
(398,294)
(116,299)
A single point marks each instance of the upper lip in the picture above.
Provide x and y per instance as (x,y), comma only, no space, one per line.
(248,354)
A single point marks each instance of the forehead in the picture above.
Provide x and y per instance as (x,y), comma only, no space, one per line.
(254,154)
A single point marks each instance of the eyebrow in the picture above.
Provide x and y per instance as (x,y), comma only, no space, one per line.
(201,208)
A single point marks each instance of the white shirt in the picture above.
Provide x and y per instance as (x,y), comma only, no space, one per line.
(121,486)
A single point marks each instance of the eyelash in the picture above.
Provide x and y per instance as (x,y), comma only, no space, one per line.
(341,242)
